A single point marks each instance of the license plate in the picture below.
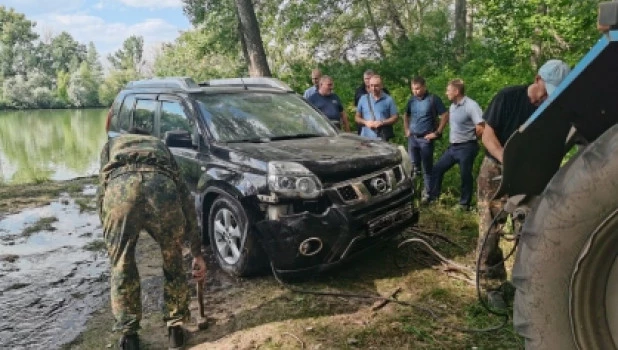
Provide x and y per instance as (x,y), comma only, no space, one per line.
(378,225)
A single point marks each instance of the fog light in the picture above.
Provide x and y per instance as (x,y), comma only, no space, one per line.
(310,246)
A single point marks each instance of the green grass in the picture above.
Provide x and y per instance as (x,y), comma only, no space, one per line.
(43,224)
(95,246)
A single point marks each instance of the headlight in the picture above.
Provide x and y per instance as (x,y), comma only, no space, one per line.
(405,161)
(290,179)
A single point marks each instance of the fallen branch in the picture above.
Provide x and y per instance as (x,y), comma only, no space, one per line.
(380,304)
(302,343)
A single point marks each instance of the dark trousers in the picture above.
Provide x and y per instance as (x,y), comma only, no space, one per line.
(457,153)
(421,152)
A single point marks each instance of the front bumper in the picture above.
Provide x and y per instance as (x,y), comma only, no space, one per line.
(309,242)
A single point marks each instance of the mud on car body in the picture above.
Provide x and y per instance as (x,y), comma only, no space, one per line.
(274,181)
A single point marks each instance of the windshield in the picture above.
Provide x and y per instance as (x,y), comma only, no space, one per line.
(261,117)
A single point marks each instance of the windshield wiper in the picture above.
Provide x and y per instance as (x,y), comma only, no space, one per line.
(295,136)
(250,140)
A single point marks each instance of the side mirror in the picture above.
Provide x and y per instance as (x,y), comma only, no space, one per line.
(178,138)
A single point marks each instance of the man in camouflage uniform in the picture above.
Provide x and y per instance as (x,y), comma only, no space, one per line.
(141,189)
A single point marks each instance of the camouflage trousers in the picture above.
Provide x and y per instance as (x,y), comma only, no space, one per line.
(134,202)
(490,253)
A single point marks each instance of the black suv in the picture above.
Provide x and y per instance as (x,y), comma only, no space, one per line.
(273,179)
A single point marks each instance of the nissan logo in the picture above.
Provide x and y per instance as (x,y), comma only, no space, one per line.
(379,184)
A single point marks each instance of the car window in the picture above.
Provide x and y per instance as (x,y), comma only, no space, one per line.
(143,117)
(173,117)
(123,121)
(255,115)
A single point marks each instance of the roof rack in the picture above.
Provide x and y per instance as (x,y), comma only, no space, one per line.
(253,82)
(181,83)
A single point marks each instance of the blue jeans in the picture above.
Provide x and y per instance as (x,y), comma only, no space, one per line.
(457,153)
(421,151)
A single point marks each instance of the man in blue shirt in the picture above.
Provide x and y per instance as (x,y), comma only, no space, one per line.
(315,78)
(329,103)
(466,119)
(376,112)
(421,128)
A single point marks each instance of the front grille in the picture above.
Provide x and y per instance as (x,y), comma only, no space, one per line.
(365,187)
(398,174)
(347,193)
(377,184)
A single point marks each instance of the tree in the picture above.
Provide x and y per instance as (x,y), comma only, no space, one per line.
(83,88)
(66,53)
(519,31)
(250,36)
(460,24)
(92,59)
(199,55)
(130,55)
(113,83)
(16,36)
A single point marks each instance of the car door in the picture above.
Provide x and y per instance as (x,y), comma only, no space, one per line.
(175,125)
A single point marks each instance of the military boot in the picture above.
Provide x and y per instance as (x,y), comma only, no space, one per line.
(176,337)
(129,342)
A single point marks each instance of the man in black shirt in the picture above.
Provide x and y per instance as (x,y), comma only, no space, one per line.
(508,110)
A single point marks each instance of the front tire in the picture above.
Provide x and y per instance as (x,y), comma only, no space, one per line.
(566,270)
(231,238)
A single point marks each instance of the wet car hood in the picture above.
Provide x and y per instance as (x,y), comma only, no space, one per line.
(332,159)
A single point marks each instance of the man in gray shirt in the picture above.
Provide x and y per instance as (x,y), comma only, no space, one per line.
(466,121)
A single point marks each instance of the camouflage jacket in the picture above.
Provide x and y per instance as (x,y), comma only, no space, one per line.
(144,153)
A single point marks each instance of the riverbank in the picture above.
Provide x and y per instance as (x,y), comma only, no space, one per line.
(255,312)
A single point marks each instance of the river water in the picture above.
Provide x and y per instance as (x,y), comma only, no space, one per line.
(51,278)
(38,145)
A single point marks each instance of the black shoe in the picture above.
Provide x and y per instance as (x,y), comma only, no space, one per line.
(176,337)
(129,342)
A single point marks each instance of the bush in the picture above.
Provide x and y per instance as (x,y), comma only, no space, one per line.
(42,97)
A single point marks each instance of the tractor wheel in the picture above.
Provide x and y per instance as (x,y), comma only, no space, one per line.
(566,270)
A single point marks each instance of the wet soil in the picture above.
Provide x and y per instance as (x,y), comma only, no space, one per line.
(53,270)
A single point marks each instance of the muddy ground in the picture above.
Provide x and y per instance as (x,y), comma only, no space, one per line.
(54,289)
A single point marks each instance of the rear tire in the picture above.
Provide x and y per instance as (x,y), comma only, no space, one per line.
(566,272)
(232,239)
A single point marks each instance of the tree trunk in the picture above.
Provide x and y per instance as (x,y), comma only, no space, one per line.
(250,32)
(460,25)
(393,15)
(469,23)
(374,29)
(241,38)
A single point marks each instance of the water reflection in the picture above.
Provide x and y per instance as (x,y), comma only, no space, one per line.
(39,145)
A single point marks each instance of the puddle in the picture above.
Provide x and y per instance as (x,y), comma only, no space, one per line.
(49,284)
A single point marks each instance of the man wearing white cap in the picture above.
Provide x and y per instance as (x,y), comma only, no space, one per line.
(508,110)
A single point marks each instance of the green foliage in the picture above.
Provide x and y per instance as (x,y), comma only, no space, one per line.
(83,87)
(113,83)
(62,85)
(200,55)
(16,36)
(130,55)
